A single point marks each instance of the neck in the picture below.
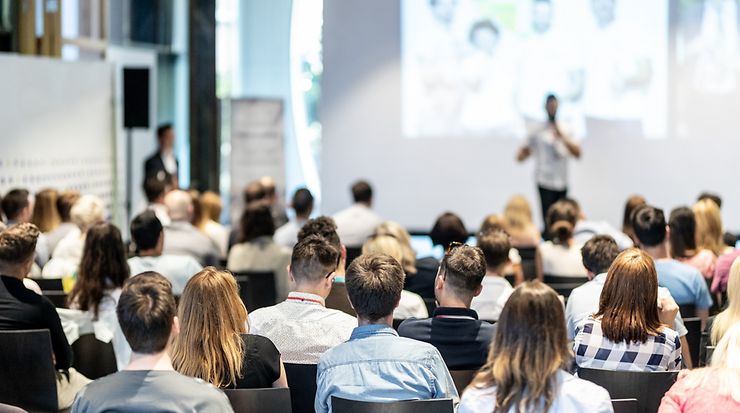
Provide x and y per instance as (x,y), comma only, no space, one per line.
(15,271)
(494,272)
(452,301)
(302,217)
(312,289)
(387,321)
(157,361)
(658,252)
(154,252)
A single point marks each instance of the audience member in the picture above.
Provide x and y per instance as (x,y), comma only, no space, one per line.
(585,229)
(493,222)
(23,309)
(155,190)
(65,201)
(709,230)
(629,331)
(633,202)
(301,327)
(183,238)
(682,240)
(730,239)
(213,343)
(454,329)
(302,204)
(686,284)
(256,250)
(731,314)
(496,289)
(163,164)
(271,197)
(45,214)
(448,228)
(517,222)
(421,283)
(146,312)
(711,389)
(148,238)
(722,271)
(253,192)
(561,256)
(208,222)
(376,364)
(356,223)
(17,205)
(411,304)
(528,362)
(325,227)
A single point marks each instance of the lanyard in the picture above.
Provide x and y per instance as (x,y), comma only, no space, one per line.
(302,299)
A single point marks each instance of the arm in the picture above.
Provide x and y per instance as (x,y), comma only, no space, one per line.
(573,148)
(323,397)
(60,346)
(518,274)
(703,315)
(523,154)
(282,382)
(444,386)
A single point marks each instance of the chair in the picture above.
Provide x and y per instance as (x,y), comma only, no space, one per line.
(647,387)
(708,355)
(397,322)
(256,289)
(52,289)
(27,373)
(93,358)
(339,300)
(529,263)
(431,304)
(339,405)
(687,310)
(510,278)
(259,400)
(462,378)
(564,285)
(352,253)
(693,338)
(624,405)
(302,384)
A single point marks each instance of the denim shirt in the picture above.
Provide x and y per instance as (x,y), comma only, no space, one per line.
(379,366)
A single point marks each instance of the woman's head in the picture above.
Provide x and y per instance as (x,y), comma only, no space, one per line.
(629,301)
(384,244)
(212,320)
(209,208)
(731,315)
(490,223)
(630,206)
(517,214)
(682,232)
(561,221)
(257,221)
(396,230)
(45,214)
(708,226)
(103,266)
(529,347)
(447,229)
(88,210)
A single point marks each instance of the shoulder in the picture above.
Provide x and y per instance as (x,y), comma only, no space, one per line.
(582,392)
(260,344)
(476,399)
(414,328)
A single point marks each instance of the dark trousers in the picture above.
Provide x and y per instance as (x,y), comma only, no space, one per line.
(547,198)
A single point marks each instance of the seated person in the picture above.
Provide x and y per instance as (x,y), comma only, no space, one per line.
(722,271)
(181,236)
(682,240)
(358,221)
(731,314)
(301,327)
(148,237)
(208,221)
(302,204)
(517,221)
(23,309)
(585,229)
(496,289)
(493,222)
(561,256)
(630,329)
(455,330)
(213,343)
(408,261)
(532,321)
(376,364)
(18,206)
(146,312)
(64,204)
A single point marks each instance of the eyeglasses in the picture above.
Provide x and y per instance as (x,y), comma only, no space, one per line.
(453,245)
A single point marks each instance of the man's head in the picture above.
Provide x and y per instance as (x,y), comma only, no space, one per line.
(326,228)
(17,205)
(447,229)
(256,221)
(374,283)
(65,202)
(551,106)
(147,313)
(313,262)
(253,192)
(270,187)
(180,205)
(362,192)
(598,254)
(495,245)
(460,274)
(649,225)
(166,137)
(146,232)
(154,189)
(541,15)
(302,203)
(17,248)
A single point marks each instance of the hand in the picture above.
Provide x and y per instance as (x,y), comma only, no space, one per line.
(667,310)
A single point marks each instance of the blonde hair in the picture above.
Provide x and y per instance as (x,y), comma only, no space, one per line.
(731,315)
(723,372)
(212,320)
(384,244)
(88,210)
(708,226)
(45,213)
(210,209)
(397,231)
(517,215)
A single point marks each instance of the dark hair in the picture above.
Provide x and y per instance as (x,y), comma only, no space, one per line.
(154,188)
(598,253)
(14,202)
(65,201)
(495,245)
(447,229)
(162,129)
(550,97)
(313,258)
(561,220)
(463,268)
(485,24)
(374,283)
(103,266)
(302,201)
(649,225)
(362,192)
(633,202)
(18,243)
(254,191)
(256,222)
(711,196)
(682,223)
(146,311)
(146,230)
(323,226)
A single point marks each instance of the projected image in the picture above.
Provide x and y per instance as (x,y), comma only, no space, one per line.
(484,67)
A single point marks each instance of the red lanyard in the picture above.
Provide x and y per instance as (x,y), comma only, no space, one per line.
(301,299)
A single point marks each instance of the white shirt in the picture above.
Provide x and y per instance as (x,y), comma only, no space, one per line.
(59,268)
(561,260)
(301,327)
(355,224)
(160,210)
(410,306)
(574,395)
(57,234)
(585,230)
(70,247)
(287,235)
(551,157)
(169,161)
(219,234)
(488,304)
(176,268)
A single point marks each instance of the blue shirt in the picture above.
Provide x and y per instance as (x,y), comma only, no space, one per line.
(379,366)
(686,284)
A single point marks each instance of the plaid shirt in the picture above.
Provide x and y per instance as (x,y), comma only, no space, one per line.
(593,350)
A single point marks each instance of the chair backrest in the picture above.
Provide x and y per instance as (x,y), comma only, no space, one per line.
(352,253)
(259,400)
(302,384)
(338,299)
(709,353)
(647,387)
(339,405)
(462,378)
(693,338)
(687,310)
(93,358)
(52,288)
(27,374)
(564,285)
(624,405)
(529,264)
(256,289)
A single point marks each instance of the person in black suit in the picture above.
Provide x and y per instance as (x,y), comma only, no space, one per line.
(163,165)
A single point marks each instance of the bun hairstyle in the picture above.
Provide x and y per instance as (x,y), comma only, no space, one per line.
(561,221)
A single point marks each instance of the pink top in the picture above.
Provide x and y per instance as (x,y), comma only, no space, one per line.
(703,261)
(696,400)
(722,271)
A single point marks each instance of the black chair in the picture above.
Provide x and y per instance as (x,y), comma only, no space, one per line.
(462,378)
(256,289)
(339,405)
(693,338)
(397,322)
(259,400)
(302,384)
(708,352)
(529,262)
(510,278)
(687,310)
(93,358)
(624,405)
(339,300)
(704,342)
(647,387)
(431,305)
(52,289)
(564,285)
(27,373)
(352,253)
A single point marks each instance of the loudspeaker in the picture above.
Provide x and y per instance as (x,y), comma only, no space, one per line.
(135,98)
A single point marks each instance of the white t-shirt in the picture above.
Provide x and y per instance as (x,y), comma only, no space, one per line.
(355,224)
(551,156)
(488,304)
(176,268)
(561,260)
(410,306)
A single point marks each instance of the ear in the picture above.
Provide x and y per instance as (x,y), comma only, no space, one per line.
(667,232)
(290,274)
(439,282)
(329,281)
(175,327)
(478,290)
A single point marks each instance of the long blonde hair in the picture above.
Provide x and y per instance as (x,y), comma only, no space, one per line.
(212,320)
(517,215)
(708,226)
(210,209)
(45,214)
(384,244)
(723,372)
(731,315)
(397,231)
